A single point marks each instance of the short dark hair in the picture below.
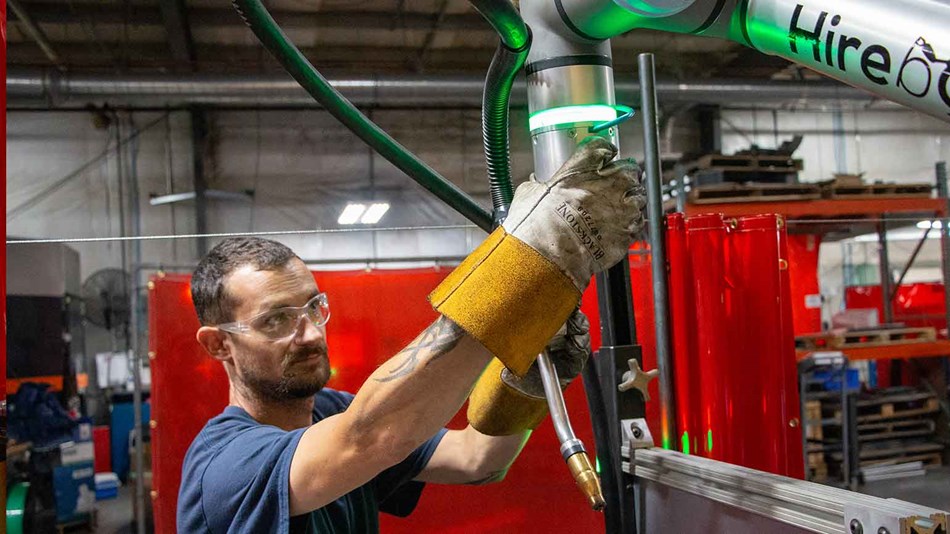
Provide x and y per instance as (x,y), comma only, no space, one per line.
(212,302)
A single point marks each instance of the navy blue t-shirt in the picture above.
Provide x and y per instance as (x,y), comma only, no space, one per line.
(236,478)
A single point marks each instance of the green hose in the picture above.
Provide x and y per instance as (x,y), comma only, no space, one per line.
(255,15)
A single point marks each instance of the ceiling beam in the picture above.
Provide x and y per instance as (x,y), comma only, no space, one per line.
(30,27)
(203,17)
(175,20)
(238,58)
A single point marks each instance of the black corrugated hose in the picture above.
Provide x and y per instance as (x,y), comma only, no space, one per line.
(508,60)
(501,75)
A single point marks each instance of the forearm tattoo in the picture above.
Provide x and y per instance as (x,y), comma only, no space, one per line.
(441,337)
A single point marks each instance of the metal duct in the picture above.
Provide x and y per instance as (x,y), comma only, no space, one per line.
(48,89)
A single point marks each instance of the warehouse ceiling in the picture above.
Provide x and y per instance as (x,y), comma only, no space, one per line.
(339,36)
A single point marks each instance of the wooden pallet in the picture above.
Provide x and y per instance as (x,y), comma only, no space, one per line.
(814,429)
(865,338)
(816,341)
(813,410)
(709,177)
(907,428)
(839,191)
(888,336)
(898,407)
(714,194)
(749,163)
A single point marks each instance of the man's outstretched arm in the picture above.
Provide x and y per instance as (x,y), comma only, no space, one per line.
(404,402)
(503,410)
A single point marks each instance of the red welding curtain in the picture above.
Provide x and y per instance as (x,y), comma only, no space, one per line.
(733,346)
(375,314)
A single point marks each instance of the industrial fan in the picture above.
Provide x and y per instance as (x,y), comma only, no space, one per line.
(106,304)
(106,297)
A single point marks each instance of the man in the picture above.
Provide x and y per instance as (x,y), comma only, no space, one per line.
(288,455)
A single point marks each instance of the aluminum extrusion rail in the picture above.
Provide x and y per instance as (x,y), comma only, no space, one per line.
(806,505)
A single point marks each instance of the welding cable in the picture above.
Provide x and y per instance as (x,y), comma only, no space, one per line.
(264,26)
(509,58)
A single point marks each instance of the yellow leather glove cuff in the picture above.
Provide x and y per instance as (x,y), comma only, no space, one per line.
(508,297)
(497,409)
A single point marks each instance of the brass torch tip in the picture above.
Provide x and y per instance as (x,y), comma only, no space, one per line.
(586,479)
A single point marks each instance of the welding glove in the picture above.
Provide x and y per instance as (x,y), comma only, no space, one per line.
(503,404)
(520,285)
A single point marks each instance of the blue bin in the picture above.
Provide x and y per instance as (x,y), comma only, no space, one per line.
(831,380)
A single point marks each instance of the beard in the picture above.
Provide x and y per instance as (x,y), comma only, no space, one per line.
(296,381)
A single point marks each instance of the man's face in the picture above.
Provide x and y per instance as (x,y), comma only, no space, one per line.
(284,369)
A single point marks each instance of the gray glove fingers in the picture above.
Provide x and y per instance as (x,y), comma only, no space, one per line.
(636,196)
(577,323)
(592,155)
(570,347)
(628,166)
(577,337)
(580,352)
(619,185)
(621,176)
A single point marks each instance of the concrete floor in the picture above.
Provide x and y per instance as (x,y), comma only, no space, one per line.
(932,489)
(115,515)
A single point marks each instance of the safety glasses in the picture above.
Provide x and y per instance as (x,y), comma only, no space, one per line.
(281,323)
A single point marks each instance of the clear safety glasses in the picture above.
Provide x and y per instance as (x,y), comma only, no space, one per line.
(281,323)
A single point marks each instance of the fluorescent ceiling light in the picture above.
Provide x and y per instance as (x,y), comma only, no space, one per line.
(923,225)
(351,213)
(571,115)
(375,213)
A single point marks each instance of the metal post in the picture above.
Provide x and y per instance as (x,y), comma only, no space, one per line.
(885,268)
(657,223)
(887,286)
(134,319)
(618,345)
(943,191)
(804,371)
(845,426)
(199,137)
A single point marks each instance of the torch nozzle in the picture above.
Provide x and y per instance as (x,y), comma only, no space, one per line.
(586,479)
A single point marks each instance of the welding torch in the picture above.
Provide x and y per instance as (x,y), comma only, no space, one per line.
(572,448)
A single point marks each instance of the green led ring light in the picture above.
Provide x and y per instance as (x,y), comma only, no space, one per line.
(603,115)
